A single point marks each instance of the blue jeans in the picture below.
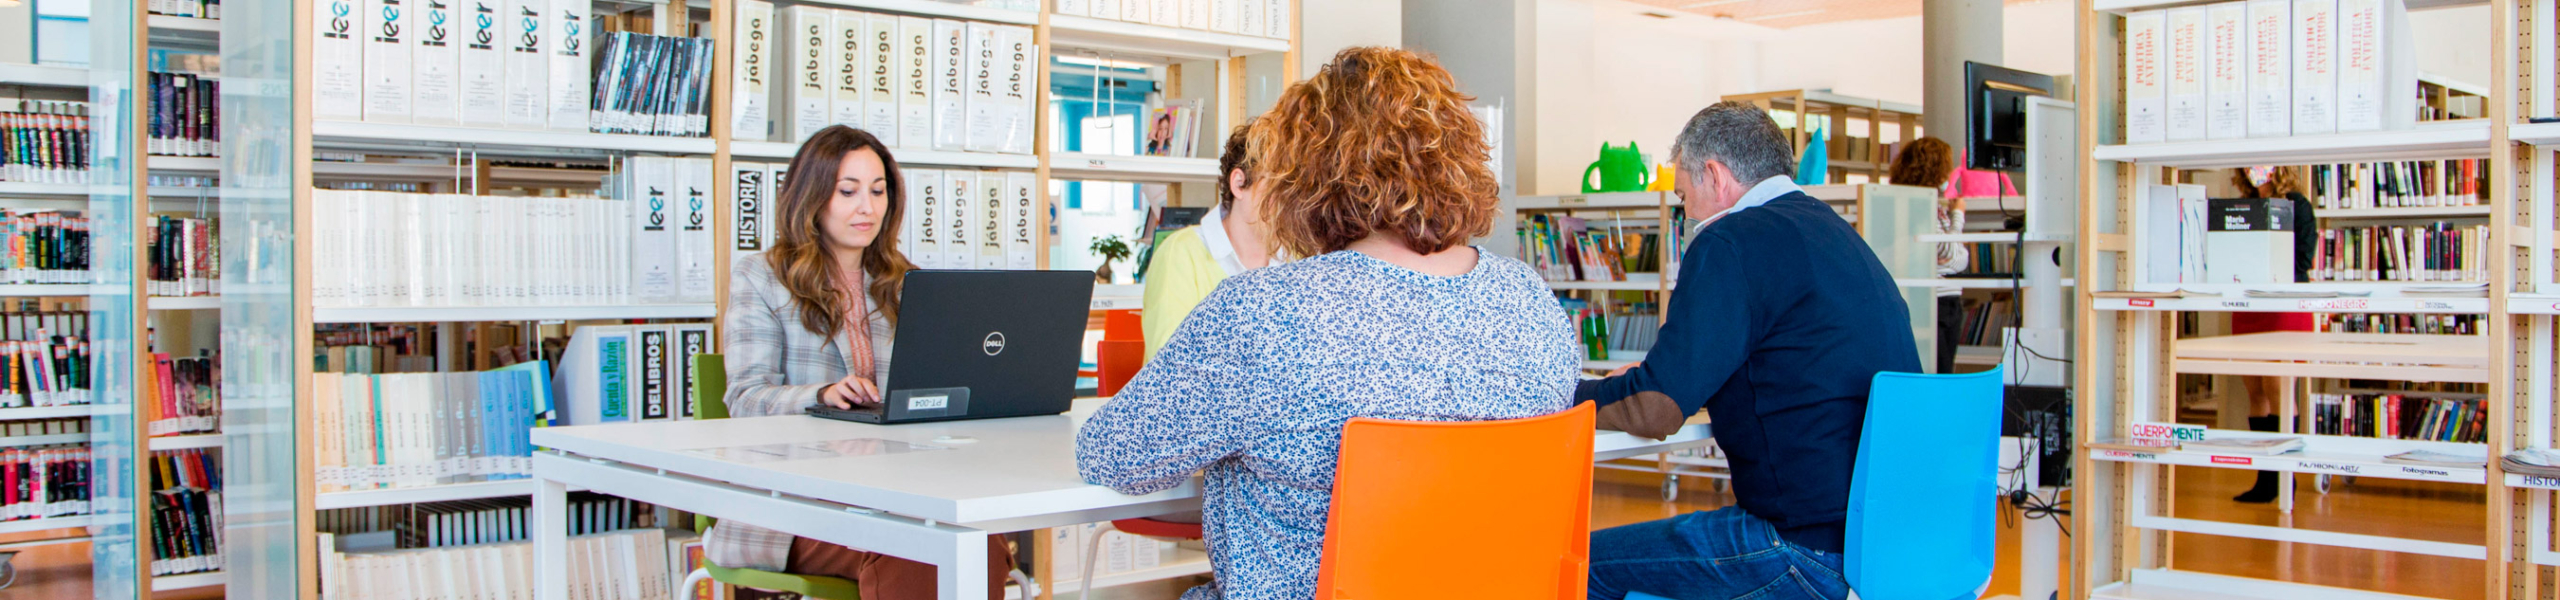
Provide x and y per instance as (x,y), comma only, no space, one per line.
(1719,555)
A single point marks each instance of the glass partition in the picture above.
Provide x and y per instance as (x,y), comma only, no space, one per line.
(114,177)
(264,161)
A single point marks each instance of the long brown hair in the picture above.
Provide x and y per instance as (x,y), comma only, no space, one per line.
(1379,141)
(800,257)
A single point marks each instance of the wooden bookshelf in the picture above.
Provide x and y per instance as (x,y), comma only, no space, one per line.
(1860,138)
(2130,352)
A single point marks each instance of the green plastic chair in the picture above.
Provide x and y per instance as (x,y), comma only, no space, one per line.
(710,383)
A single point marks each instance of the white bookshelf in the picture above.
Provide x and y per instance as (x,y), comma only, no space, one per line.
(414,495)
(54,290)
(1990,237)
(184,31)
(1104,167)
(1154,41)
(513,142)
(186,303)
(187,581)
(2405,357)
(2377,303)
(937,8)
(45,523)
(1617,358)
(193,441)
(1119,296)
(2435,140)
(43,440)
(2126,6)
(512,313)
(1198,565)
(43,75)
(44,412)
(2476,211)
(2538,134)
(1644,282)
(1594,201)
(2166,584)
(1977,283)
(908,157)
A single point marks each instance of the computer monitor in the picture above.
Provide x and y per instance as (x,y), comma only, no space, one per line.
(1995,115)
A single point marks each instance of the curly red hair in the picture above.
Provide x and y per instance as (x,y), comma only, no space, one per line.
(1378,142)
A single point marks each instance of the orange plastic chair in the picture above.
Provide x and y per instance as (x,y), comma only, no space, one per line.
(1487,510)
(1122,351)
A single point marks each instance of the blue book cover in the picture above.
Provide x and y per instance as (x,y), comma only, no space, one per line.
(613,391)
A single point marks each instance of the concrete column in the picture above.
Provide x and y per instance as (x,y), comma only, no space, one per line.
(1952,32)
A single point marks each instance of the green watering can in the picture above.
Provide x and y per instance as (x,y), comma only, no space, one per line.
(1620,169)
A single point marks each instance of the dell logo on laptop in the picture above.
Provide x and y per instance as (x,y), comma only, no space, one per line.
(994,344)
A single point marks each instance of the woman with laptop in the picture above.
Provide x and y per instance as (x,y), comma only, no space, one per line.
(810,322)
(1376,173)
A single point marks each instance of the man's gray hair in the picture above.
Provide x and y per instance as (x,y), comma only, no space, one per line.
(1741,136)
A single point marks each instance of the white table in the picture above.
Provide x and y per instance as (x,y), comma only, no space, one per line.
(936,507)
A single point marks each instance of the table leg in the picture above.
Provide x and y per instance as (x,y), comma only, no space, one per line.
(964,572)
(1041,547)
(551,541)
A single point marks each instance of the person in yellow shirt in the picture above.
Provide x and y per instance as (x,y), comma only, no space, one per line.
(1190,263)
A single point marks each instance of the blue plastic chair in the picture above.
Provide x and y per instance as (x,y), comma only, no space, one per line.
(1920,503)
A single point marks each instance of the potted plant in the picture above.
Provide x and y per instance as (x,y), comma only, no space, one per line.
(1110,248)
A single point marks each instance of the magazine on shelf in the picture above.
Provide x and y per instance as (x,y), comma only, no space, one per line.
(2538,462)
(2441,459)
(2135,445)
(1172,129)
(2270,445)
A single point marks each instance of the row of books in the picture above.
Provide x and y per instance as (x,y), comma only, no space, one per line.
(185,394)
(2403,323)
(1986,319)
(953,219)
(44,359)
(2398,416)
(1173,129)
(913,82)
(1258,18)
(185,258)
(514,64)
(200,9)
(2268,68)
(669,231)
(396,249)
(44,481)
(2438,251)
(1990,260)
(501,520)
(43,246)
(2408,183)
(404,430)
(634,564)
(57,426)
(371,348)
(652,85)
(1565,248)
(44,141)
(628,373)
(186,115)
(186,511)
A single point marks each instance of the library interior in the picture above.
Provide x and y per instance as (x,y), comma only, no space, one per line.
(1279,299)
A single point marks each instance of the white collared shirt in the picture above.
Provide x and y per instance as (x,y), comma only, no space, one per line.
(1767,190)
(1213,233)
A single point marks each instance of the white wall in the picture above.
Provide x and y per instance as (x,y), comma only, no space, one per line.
(1328,26)
(1884,63)
(2448,43)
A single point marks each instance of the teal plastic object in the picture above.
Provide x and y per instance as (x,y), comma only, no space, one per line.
(1814,167)
(1920,502)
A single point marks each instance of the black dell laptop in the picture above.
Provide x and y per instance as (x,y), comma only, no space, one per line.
(981,345)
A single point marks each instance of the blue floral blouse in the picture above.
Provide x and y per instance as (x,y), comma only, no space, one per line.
(1256,385)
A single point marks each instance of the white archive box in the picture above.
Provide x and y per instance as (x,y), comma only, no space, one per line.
(915,82)
(694,267)
(1195,14)
(1249,17)
(1103,9)
(1167,13)
(950,85)
(387,68)
(880,79)
(1136,11)
(805,100)
(439,55)
(2315,67)
(2377,66)
(2270,68)
(918,231)
(570,78)
(2186,74)
(2145,83)
(1222,16)
(750,192)
(751,71)
(653,240)
(993,234)
(337,60)
(528,100)
(481,67)
(960,219)
(1022,220)
(1021,85)
(848,77)
(2173,231)
(985,105)
(1074,7)
(2226,80)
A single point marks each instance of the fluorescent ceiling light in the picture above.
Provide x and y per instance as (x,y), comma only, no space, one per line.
(1785,15)
(1713,3)
(1095,62)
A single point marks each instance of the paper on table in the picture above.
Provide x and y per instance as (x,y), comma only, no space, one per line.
(762,453)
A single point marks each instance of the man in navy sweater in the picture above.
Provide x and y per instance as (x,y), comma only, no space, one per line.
(1782,319)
